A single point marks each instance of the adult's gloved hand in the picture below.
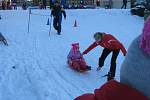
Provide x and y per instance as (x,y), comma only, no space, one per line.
(84,53)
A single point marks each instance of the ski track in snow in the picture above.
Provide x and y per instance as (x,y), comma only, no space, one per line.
(33,66)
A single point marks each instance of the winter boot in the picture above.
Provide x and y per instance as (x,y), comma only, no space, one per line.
(89,67)
(110,76)
(58,33)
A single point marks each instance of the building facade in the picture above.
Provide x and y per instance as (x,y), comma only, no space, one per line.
(103,3)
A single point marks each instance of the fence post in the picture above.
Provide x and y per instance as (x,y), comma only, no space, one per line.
(29,20)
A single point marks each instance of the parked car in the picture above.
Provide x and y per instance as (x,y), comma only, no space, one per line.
(140,7)
(138,10)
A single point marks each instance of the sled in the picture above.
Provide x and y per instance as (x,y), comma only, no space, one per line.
(75,65)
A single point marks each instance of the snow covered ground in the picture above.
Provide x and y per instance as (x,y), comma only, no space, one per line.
(33,66)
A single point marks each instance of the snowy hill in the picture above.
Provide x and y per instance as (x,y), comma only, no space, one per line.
(33,66)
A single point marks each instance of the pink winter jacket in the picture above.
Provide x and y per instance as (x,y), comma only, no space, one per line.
(74,55)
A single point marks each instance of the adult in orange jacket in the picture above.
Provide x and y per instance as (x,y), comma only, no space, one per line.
(110,44)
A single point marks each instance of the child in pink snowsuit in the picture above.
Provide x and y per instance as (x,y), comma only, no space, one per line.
(76,60)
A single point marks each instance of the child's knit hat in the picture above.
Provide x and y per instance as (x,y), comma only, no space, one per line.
(135,70)
(75,46)
(145,38)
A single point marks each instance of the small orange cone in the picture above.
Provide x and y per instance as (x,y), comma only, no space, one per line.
(75,23)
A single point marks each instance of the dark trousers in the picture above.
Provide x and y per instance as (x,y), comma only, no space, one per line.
(15,7)
(3,7)
(57,25)
(105,53)
(44,6)
(124,5)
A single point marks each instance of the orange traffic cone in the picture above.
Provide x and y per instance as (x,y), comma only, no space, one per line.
(75,23)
